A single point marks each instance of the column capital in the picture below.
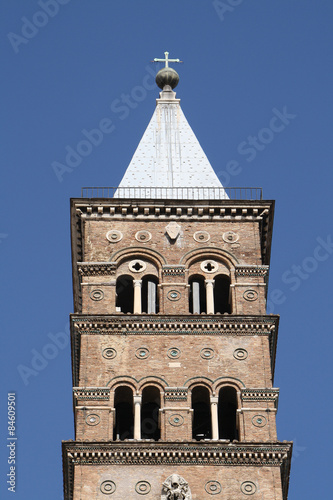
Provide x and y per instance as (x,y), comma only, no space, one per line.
(137,399)
(137,283)
(209,282)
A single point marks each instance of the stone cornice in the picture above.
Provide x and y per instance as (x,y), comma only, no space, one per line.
(175,454)
(91,393)
(248,270)
(96,268)
(260,395)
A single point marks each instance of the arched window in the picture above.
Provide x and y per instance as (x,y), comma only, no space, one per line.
(150,407)
(201,427)
(124,418)
(150,295)
(197,303)
(124,294)
(227,413)
(222,294)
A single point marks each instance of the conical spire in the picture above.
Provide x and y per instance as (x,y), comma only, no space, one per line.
(169,155)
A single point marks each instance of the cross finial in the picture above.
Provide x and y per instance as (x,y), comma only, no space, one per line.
(167,60)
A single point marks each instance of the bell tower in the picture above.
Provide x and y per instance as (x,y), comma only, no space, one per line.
(172,351)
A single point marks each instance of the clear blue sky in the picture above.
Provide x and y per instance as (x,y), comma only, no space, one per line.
(242,65)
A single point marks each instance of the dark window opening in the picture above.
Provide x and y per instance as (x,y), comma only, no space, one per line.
(227,413)
(125,294)
(222,294)
(124,418)
(197,303)
(202,426)
(150,407)
(150,295)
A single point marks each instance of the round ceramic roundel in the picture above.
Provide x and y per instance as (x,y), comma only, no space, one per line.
(230,237)
(93,419)
(173,295)
(142,487)
(176,420)
(109,353)
(240,354)
(201,236)
(213,487)
(174,353)
(207,353)
(250,295)
(96,295)
(114,235)
(143,236)
(259,420)
(108,487)
(142,353)
(248,488)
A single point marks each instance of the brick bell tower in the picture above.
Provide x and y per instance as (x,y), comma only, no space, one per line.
(172,351)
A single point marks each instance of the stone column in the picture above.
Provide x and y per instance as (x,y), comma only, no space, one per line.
(214,414)
(137,417)
(137,308)
(210,296)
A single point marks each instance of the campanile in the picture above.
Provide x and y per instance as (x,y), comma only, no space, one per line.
(172,350)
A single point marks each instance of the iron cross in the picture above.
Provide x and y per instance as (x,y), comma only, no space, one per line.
(167,60)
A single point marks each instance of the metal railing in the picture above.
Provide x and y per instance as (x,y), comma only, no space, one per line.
(174,193)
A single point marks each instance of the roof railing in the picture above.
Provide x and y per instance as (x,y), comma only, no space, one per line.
(174,193)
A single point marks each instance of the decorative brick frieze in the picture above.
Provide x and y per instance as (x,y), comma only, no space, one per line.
(248,270)
(175,393)
(260,395)
(91,393)
(96,268)
(176,270)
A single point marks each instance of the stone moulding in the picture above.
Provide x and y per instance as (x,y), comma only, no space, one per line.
(175,454)
(96,268)
(248,270)
(92,393)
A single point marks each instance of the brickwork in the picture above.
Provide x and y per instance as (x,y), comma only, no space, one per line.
(173,352)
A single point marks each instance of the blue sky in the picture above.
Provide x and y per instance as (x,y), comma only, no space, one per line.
(66,68)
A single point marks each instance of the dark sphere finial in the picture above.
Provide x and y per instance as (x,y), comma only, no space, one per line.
(167,76)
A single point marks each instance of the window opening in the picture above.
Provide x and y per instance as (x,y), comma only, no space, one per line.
(227,413)
(197,295)
(222,303)
(150,413)
(125,294)
(124,417)
(201,426)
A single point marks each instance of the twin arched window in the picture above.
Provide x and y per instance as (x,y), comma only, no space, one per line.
(137,296)
(204,421)
(137,417)
(209,296)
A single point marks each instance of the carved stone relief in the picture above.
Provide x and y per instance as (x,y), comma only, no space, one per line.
(176,488)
